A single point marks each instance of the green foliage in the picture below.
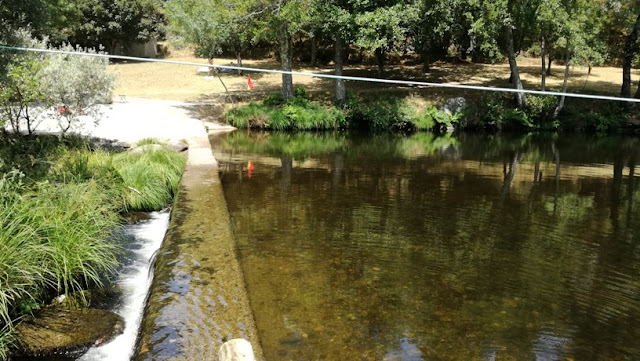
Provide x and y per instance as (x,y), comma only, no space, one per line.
(540,111)
(216,26)
(395,114)
(252,115)
(21,96)
(57,219)
(54,237)
(152,177)
(606,118)
(296,113)
(105,23)
(77,85)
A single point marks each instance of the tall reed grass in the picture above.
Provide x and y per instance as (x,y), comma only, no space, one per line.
(57,225)
(152,177)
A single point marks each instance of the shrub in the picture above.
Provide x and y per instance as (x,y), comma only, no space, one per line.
(21,96)
(540,111)
(605,118)
(77,85)
(295,113)
(249,116)
(378,116)
(484,114)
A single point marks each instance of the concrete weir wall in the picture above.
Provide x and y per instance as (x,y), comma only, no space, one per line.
(198,297)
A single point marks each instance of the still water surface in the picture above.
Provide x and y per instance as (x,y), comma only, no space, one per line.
(457,247)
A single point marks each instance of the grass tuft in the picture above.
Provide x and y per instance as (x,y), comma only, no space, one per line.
(151,176)
(57,219)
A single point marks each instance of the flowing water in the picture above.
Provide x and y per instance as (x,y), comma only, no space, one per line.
(134,278)
(422,247)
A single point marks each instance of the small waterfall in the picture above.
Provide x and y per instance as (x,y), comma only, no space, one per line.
(134,280)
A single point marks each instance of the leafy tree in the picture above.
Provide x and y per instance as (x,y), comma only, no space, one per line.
(288,17)
(107,22)
(382,26)
(461,27)
(630,49)
(214,26)
(338,19)
(621,18)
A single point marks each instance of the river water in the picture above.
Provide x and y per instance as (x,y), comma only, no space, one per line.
(423,247)
(143,239)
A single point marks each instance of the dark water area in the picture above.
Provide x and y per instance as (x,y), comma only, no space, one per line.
(455,247)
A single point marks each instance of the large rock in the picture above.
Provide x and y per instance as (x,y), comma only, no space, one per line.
(59,331)
(454,105)
(178,146)
(237,349)
(146,148)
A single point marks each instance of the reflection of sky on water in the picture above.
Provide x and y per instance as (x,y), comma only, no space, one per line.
(547,347)
(407,351)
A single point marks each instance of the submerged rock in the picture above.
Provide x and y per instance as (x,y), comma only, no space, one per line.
(59,331)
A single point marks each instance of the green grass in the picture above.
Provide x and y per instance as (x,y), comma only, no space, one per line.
(300,114)
(297,113)
(147,141)
(152,177)
(57,222)
(54,239)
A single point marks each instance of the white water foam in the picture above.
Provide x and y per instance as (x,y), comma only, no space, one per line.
(134,281)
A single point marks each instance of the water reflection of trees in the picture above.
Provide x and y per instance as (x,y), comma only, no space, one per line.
(459,263)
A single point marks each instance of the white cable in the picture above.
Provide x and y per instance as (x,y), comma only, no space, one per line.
(328,76)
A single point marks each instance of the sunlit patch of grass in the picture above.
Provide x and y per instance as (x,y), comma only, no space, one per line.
(152,177)
(147,141)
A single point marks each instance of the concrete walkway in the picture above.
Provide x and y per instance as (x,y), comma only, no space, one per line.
(135,119)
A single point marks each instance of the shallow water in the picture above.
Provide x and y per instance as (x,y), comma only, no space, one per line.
(438,248)
(134,278)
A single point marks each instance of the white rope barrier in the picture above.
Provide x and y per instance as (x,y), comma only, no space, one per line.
(329,76)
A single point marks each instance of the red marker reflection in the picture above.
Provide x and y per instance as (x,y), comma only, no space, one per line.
(249,169)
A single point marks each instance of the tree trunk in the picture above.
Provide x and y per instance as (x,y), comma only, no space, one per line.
(543,55)
(314,51)
(426,60)
(549,64)
(566,81)
(638,91)
(286,61)
(513,65)
(239,59)
(341,93)
(380,61)
(630,49)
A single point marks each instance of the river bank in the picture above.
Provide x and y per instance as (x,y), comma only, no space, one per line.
(64,200)
(132,120)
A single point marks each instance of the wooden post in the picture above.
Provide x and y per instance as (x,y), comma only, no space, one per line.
(237,349)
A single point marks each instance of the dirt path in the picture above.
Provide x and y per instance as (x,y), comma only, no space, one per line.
(176,82)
